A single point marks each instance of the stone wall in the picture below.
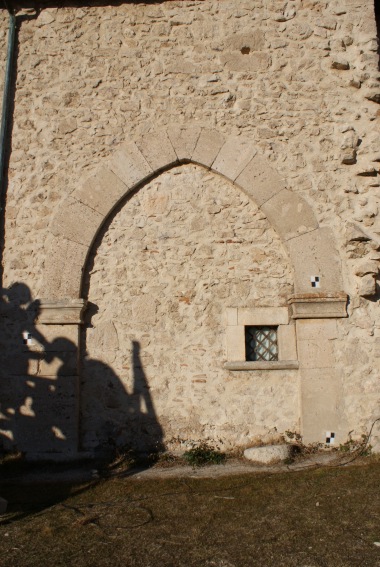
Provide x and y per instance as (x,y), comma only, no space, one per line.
(300,79)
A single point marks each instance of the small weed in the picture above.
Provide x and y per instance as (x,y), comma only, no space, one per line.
(360,445)
(203,453)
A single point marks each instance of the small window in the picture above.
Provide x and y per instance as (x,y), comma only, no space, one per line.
(261,343)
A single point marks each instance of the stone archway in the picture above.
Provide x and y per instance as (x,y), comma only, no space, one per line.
(74,227)
(310,247)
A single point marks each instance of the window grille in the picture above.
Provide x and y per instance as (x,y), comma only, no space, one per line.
(261,343)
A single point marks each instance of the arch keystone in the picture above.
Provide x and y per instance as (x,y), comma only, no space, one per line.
(157,150)
(208,146)
(184,140)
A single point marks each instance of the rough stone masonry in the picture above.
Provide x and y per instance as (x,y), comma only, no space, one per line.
(178,171)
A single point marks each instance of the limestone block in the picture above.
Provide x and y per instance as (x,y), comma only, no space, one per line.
(234,156)
(263,316)
(289,214)
(157,150)
(315,329)
(101,191)
(318,305)
(268,455)
(286,338)
(259,180)
(368,267)
(181,65)
(145,309)
(105,340)
(184,139)
(52,332)
(59,363)
(367,286)
(231,316)
(321,405)
(235,343)
(314,254)
(208,146)
(340,63)
(69,312)
(63,268)
(372,95)
(315,353)
(76,222)
(130,165)
(254,41)
(251,63)
(248,366)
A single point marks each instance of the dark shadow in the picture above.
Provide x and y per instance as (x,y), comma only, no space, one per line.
(114,420)
(40,397)
(377,17)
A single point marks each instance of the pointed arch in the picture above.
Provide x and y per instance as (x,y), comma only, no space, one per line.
(81,215)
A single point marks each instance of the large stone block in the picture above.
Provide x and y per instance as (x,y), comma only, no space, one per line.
(321,392)
(268,455)
(251,63)
(314,254)
(69,312)
(259,180)
(130,165)
(63,268)
(157,150)
(101,192)
(253,41)
(263,316)
(77,222)
(184,139)
(234,156)
(315,329)
(318,305)
(235,343)
(208,146)
(316,353)
(289,214)
(287,345)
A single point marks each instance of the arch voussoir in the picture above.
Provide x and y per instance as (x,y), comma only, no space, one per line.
(290,214)
(233,157)
(259,180)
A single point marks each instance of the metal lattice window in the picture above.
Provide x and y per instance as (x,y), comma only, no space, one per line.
(261,343)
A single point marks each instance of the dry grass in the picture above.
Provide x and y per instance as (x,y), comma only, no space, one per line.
(329,517)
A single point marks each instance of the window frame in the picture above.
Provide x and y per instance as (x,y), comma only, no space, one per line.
(237,318)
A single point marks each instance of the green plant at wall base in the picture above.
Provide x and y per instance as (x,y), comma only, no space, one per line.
(356,445)
(202,453)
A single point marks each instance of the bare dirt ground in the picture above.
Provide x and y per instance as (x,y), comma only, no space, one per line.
(315,513)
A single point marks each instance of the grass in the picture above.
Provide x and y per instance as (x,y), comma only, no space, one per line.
(328,517)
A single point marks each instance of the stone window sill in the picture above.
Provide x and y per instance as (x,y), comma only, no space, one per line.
(262,365)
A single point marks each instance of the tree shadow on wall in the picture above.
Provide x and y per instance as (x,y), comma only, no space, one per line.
(114,419)
(41,406)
